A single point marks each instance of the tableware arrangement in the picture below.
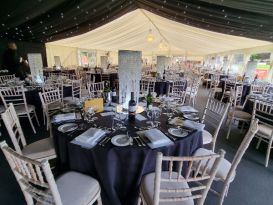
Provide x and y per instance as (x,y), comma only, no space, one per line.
(121,140)
(177,132)
(68,127)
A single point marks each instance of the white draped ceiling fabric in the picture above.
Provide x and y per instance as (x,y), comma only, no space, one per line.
(129,33)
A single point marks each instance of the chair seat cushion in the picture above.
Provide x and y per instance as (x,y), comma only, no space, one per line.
(217,90)
(40,149)
(21,109)
(207,137)
(147,189)
(224,166)
(55,106)
(239,114)
(77,189)
(265,130)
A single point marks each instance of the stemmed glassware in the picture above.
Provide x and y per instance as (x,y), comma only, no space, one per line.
(153,114)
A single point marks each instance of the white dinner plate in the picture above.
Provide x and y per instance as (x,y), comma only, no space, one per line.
(177,132)
(121,140)
(68,127)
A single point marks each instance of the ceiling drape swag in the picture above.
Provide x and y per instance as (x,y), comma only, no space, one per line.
(49,20)
(130,31)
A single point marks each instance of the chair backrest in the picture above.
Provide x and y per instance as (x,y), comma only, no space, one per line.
(5,78)
(95,88)
(177,165)
(144,86)
(35,178)
(15,95)
(14,129)
(236,96)
(263,110)
(49,97)
(151,86)
(257,89)
(214,115)
(238,157)
(76,88)
(230,83)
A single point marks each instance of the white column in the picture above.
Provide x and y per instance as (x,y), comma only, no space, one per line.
(129,72)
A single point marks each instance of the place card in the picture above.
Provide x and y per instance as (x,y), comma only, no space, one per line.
(140,117)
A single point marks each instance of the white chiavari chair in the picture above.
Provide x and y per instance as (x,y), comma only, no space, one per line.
(171,187)
(144,88)
(257,89)
(5,78)
(95,89)
(76,91)
(213,117)
(229,84)
(16,95)
(192,89)
(236,113)
(263,111)
(39,186)
(41,149)
(178,90)
(207,80)
(51,103)
(227,171)
(151,86)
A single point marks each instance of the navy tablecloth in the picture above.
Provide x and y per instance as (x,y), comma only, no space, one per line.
(119,170)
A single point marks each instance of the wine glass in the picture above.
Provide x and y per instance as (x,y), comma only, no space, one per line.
(156,114)
(150,117)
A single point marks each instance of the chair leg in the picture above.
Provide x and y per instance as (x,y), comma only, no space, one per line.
(44,117)
(99,201)
(268,153)
(36,118)
(229,128)
(30,121)
(259,143)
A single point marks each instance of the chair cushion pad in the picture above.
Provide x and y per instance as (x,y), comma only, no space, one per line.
(265,130)
(239,114)
(76,188)
(223,169)
(21,109)
(147,189)
(40,149)
(207,137)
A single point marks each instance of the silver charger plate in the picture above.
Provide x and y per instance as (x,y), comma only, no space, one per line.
(121,140)
(177,132)
(68,127)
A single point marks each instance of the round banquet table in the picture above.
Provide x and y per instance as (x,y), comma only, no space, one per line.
(119,170)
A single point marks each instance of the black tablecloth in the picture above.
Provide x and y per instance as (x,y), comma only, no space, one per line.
(161,88)
(119,170)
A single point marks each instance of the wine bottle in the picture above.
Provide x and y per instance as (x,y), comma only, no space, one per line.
(132,108)
(114,94)
(149,100)
(164,74)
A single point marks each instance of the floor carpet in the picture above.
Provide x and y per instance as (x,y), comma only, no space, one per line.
(253,184)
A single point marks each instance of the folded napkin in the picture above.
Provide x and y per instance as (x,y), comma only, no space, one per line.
(157,138)
(89,138)
(140,117)
(187,123)
(186,109)
(193,125)
(103,114)
(66,117)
